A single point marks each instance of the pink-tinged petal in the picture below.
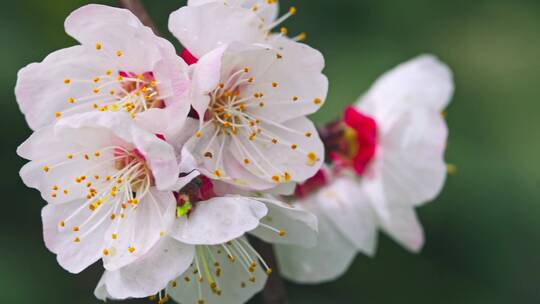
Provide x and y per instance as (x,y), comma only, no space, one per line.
(138,230)
(173,84)
(266,10)
(328,260)
(235,283)
(115,29)
(287,224)
(203,28)
(403,226)
(150,274)
(104,129)
(205,78)
(215,159)
(43,94)
(409,167)
(75,234)
(350,212)
(421,83)
(159,155)
(289,75)
(219,220)
(41,144)
(281,153)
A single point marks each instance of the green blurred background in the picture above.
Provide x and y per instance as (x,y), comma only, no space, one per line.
(483,244)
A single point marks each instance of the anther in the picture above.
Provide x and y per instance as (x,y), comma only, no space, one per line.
(311,158)
(292,10)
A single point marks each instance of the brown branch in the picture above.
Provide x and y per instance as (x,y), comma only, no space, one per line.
(274,292)
(137,8)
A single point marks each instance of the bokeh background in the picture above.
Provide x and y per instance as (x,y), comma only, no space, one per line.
(483,240)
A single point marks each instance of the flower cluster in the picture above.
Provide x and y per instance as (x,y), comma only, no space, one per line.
(160,165)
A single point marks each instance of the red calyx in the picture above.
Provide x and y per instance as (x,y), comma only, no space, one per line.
(365,131)
(188,57)
(315,182)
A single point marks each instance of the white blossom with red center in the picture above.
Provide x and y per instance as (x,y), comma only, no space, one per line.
(120,65)
(251,98)
(207,239)
(387,158)
(107,185)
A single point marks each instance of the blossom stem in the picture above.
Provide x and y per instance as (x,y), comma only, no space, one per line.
(137,8)
(274,292)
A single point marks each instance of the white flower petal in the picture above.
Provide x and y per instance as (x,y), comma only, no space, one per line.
(289,75)
(409,166)
(104,129)
(329,259)
(159,155)
(205,78)
(215,159)
(294,226)
(134,234)
(293,156)
(150,274)
(349,210)
(75,234)
(404,227)
(57,184)
(203,28)
(115,29)
(266,10)
(421,83)
(219,220)
(234,282)
(42,93)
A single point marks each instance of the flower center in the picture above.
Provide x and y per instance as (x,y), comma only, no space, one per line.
(113,181)
(124,91)
(351,142)
(227,107)
(135,173)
